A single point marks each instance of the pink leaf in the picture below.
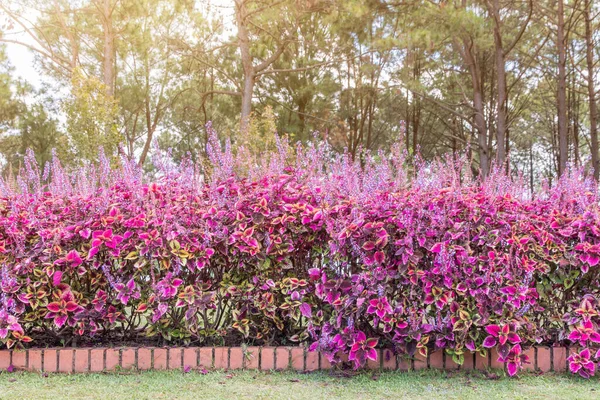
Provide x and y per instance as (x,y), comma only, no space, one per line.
(437,248)
(489,342)
(493,330)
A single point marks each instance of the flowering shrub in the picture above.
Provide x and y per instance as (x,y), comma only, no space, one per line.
(344,255)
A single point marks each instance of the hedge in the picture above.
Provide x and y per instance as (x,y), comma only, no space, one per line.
(307,246)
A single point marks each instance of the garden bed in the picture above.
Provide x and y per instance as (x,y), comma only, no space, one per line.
(344,257)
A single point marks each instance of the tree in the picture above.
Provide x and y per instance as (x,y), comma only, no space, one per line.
(10,106)
(91,115)
(563,151)
(25,124)
(502,51)
(591,86)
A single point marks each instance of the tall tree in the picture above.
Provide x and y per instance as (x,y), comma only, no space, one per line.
(591,86)
(245,12)
(563,151)
(502,50)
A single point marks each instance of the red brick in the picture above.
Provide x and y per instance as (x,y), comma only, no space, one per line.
(420,362)
(530,352)
(403,363)
(35,360)
(127,359)
(175,355)
(97,360)
(221,358)
(297,358)
(282,360)
(375,364)
(236,358)
(543,359)
(19,359)
(82,359)
(144,358)
(4,359)
(50,360)
(468,362)
(206,357)
(436,360)
(494,360)
(159,359)
(389,360)
(481,362)
(560,359)
(325,364)
(342,357)
(312,361)
(190,357)
(450,365)
(252,357)
(65,360)
(267,358)
(112,359)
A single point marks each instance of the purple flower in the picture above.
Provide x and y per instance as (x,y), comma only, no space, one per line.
(306,310)
(126,291)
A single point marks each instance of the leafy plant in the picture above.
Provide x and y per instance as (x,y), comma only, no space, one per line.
(344,255)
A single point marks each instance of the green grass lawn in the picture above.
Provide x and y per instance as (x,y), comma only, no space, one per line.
(257,385)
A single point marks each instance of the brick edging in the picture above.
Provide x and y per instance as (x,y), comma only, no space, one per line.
(97,359)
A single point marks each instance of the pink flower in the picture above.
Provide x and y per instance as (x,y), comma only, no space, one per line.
(581,363)
(125,291)
(8,323)
(362,349)
(102,236)
(381,307)
(59,310)
(306,310)
(585,332)
(167,287)
(514,360)
(73,258)
(107,238)
(500,334)
(314,274)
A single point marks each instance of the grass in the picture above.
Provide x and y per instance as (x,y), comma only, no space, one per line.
(288,385)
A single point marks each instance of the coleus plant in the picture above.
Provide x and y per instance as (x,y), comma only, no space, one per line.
(301,245)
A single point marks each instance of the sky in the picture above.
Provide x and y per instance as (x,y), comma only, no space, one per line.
(21,57)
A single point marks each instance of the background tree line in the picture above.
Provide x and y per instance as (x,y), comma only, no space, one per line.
(510,82)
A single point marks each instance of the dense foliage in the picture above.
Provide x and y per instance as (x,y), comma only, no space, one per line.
(317,248)
(508,80)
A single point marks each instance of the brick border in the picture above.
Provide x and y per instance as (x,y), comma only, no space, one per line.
(97,359)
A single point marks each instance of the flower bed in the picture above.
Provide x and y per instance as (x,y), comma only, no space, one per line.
(345,256)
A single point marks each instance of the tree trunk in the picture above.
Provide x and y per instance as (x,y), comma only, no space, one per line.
(484,163)
(501,82)
(247,64)
(109,49)
(467,50)
(246,102)
(531,168)
(562,91)
(589,55)
(416,104)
